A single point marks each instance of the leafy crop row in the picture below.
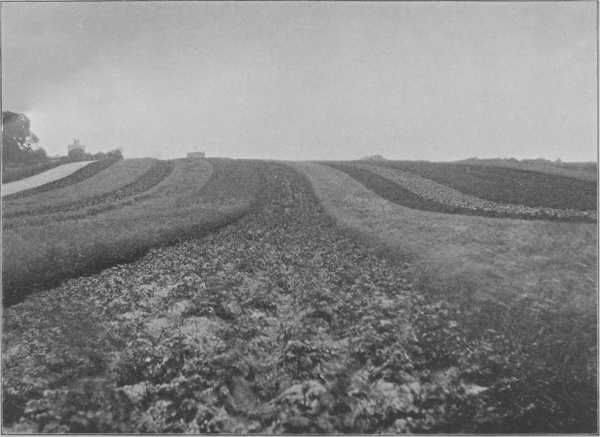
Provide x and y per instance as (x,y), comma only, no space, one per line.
(429,196)
(442,194)
(507,185)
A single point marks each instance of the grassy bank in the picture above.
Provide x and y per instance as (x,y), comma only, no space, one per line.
(534,281)
(40,253)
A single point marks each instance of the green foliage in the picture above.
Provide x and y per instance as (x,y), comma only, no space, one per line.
(18,141)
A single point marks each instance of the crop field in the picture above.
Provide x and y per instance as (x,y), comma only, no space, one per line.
(479,190)
(587,171)
(507,185)
(245,296)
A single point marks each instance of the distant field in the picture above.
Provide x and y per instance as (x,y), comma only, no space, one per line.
(414,191)
(587,171)
(42,178)
(506,185)
(193,200)
(114,177)
(535,281)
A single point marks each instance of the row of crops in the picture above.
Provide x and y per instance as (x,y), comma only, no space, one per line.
(410,189)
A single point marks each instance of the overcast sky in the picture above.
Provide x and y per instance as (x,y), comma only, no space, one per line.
(306,80)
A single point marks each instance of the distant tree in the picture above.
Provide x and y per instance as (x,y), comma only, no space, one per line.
(36,156)
(373,158)
(77,155)
(116,153)
(100,155)
(17,139)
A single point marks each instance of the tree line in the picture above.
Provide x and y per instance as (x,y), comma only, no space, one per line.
(20,146)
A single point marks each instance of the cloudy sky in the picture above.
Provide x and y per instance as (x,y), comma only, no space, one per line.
(306,80)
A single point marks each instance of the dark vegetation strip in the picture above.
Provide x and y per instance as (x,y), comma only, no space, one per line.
(157,173)
(395,193)
(16,174)
(506,185)
(80,175)
(126,234)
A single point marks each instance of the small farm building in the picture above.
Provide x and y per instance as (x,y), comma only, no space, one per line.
(195,155)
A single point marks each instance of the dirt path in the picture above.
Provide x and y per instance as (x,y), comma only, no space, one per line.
(43,178)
